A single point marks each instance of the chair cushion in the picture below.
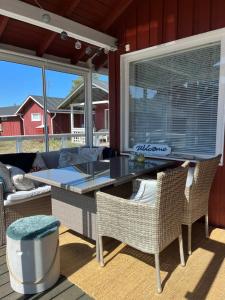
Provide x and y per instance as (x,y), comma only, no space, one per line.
(146,192)
(22,196)
(6,178)
(190,176)
(19,180)
(34,227)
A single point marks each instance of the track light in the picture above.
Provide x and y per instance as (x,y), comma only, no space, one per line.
(46,18)
(106,51)
(78,45)
(63,35)
(88,51)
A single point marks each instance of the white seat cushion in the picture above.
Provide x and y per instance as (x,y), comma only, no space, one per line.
(146,192)
(22,196)
(190,177)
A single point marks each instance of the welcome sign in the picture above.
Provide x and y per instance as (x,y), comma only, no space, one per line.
(152,149)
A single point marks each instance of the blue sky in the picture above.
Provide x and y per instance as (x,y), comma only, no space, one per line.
(18,81)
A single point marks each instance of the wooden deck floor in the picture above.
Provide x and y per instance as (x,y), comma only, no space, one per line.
(130,274)
(63,290)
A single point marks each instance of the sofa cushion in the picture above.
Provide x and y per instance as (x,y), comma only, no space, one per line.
(6,178)
(19,180)
(22,196)
(23,161)
(146,192)
(78,156)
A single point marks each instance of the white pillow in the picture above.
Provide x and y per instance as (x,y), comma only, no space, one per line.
(19,180)
(6,178)
(39,163)
(146,192)
(190,176)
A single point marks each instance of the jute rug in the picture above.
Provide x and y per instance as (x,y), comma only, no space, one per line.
(130,274)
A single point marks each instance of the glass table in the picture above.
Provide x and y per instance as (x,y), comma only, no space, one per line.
(74,187)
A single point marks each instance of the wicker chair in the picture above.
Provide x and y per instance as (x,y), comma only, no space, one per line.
(145,227)
(197,195)
(41,205)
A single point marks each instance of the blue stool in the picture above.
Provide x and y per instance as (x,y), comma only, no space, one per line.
(32,253)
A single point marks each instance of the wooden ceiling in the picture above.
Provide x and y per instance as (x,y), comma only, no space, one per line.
(97,14)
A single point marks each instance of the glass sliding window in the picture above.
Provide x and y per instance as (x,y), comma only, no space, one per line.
(173,100)
(65,109)
(20,114)
(100,109)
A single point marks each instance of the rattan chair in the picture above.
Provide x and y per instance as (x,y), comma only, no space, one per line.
(148,228)
(40,205)
(197,195)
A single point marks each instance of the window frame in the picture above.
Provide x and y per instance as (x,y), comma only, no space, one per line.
(165,49)
(48,64)
(37,114)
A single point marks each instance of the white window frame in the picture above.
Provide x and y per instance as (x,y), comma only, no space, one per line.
(33,117)
(49,64)
(163,49)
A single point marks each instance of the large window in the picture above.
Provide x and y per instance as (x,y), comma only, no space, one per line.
(44,105)
(175,96)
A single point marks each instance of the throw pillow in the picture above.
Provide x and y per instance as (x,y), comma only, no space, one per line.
(3,184)
(5,175)
(67,159)
(146,192)
(90,154)
(19,180)
(39,163)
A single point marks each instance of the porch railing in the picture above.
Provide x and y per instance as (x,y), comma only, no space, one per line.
(31,143)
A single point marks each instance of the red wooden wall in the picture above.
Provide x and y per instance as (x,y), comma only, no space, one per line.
(12,126)
(61,124)
(147,23)
(30,126)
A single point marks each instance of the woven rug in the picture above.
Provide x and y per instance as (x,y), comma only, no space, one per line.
(130,274)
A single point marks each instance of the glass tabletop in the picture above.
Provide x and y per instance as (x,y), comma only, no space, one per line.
(90,176)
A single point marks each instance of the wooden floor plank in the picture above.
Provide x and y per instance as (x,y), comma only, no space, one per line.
(62,290)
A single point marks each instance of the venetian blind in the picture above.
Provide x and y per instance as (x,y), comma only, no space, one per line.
(174,99)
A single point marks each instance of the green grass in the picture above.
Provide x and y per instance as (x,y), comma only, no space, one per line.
(34,145)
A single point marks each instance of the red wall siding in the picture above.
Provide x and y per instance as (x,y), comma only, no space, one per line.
(30,126)
(99,116)
(147,23)
(61,124)
(12,126)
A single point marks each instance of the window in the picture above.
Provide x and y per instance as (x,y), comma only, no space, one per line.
(35,117)
(174,96)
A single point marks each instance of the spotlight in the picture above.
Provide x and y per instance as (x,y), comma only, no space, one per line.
(46,18)
(106,51)
(63,35)
(88,51)
(78,45)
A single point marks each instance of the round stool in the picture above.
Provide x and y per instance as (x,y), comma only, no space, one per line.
(32,253)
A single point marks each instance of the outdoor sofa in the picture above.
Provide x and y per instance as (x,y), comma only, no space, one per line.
(36,201)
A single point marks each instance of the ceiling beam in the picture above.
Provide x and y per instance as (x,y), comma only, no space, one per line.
(65,11)
(31,14)
(3,23)
(114,14)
